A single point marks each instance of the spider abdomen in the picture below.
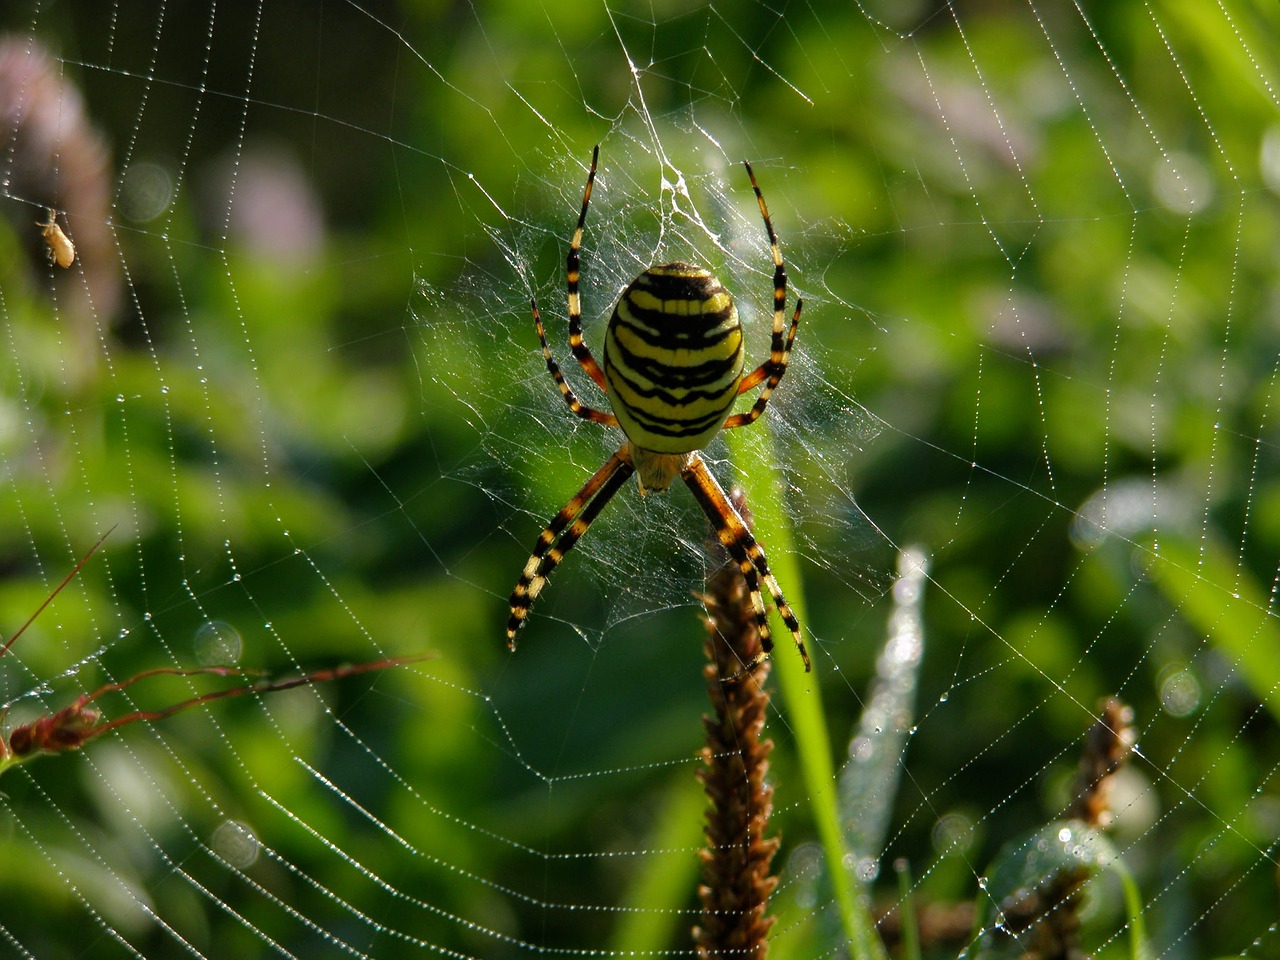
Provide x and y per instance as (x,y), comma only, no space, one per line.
(673,358)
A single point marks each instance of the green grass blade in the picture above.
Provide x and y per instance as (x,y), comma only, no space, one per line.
(800,691)
(1226,605)
(655,902)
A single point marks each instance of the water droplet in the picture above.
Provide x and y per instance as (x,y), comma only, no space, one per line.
(235,843)
(952,834)
(217,644)
(1180,692)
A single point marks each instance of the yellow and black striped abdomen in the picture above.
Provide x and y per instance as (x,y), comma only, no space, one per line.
(673,358)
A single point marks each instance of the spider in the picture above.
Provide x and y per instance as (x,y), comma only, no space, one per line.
(673,359)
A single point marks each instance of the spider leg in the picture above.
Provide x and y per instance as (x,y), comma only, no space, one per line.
(776,365)
(742,546)
(571,398)
(572,274)
(722,521)
(568,526)
(774,368)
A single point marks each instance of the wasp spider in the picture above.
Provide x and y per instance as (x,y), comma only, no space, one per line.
(672,369)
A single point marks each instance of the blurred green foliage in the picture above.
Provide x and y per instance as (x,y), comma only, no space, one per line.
(1038,257)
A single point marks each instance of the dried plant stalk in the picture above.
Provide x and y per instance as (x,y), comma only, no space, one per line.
(1047,919)
(736,861)
(1107,747)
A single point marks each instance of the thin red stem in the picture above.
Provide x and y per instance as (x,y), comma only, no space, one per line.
(270,686)
(72,726)
(56,590)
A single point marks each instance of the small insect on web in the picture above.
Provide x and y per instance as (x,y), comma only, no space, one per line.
(673,360)
(61,250)
(74,725)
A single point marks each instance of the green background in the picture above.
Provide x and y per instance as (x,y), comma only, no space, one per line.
(1037,253)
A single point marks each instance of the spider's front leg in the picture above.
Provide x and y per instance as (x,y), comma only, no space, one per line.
(744,549)
(563,532)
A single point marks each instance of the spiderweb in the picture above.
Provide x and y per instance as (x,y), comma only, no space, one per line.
(293,371)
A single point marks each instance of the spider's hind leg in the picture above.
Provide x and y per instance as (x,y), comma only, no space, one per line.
(773,369)
(573,274)
(779,350)
(553,368)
